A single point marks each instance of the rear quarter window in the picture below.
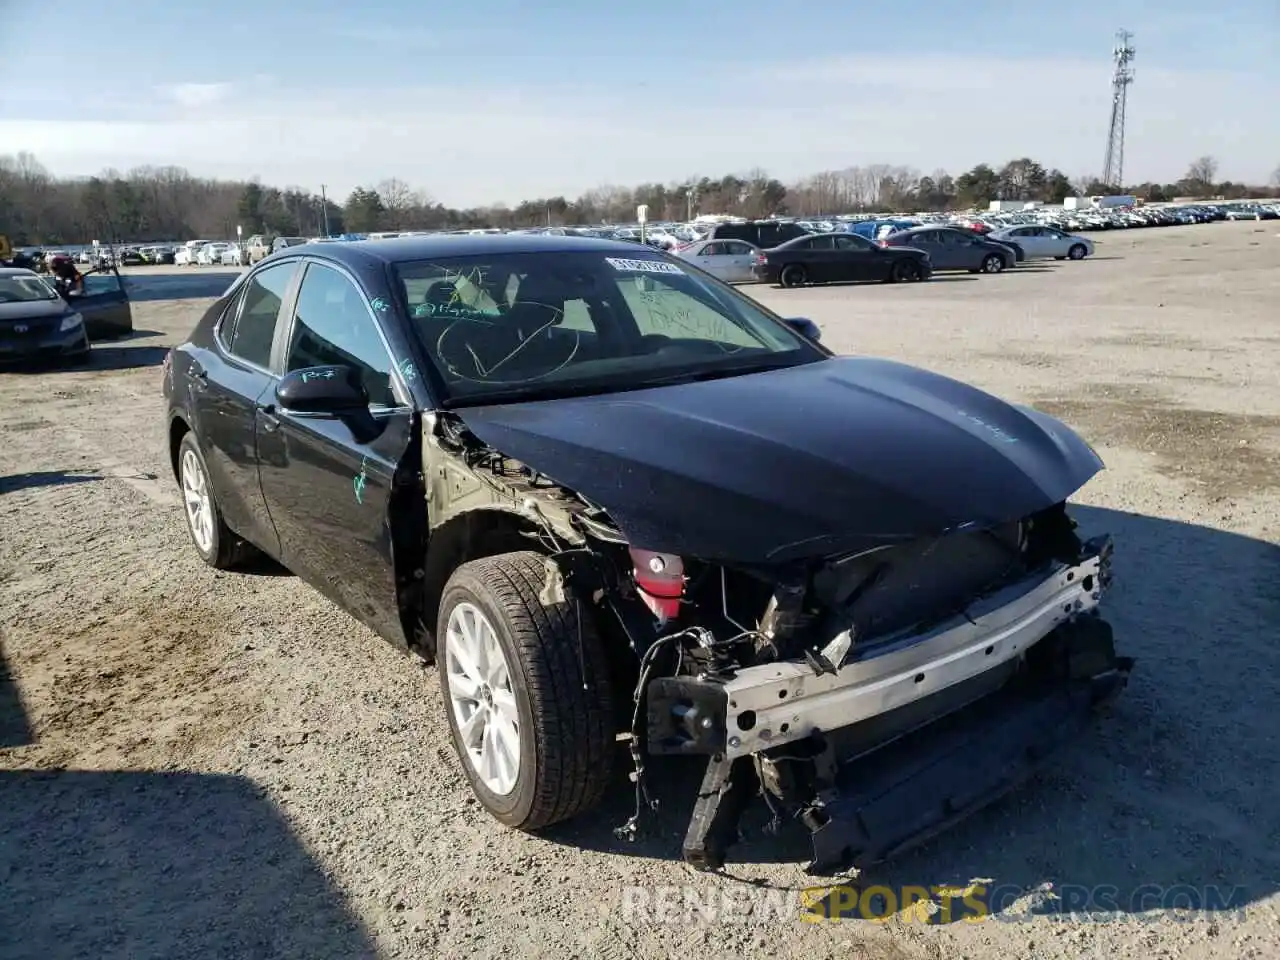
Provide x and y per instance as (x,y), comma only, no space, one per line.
(733,231)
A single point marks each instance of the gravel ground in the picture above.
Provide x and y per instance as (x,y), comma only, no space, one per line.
(205,764)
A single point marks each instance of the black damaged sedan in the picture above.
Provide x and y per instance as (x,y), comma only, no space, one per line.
(629,512)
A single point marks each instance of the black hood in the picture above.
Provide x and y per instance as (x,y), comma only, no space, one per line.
(832,456)
(33,309)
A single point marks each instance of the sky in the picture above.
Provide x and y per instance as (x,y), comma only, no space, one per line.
(495,101)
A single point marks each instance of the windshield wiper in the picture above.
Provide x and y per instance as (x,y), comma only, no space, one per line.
(715,373)
(534,392)
(560,391)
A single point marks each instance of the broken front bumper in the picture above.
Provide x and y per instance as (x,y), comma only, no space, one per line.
(909,734)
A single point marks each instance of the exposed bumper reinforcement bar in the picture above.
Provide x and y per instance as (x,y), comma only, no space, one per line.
(780,702)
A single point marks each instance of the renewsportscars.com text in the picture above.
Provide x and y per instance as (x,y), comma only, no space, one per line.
(975,903)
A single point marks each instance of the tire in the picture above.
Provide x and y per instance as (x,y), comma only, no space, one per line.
(793,275)
(222,549)
(904,271)
(992,263)
(557,687)
(1077,251)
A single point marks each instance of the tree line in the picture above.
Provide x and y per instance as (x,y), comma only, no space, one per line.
(169,203)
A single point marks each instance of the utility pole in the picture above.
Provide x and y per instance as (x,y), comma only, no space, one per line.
(324,209)
(1122,54)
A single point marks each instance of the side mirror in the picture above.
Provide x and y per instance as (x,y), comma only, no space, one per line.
(335,390)
(805,327)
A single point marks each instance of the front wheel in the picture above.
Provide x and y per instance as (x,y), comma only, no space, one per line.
(527,692)
(1077,252)
(992,263)
(793,275)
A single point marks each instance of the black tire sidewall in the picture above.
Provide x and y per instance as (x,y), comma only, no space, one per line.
(797,274)
(515,807)
(1071,254)
(189,442)
(906,271)
(992,258)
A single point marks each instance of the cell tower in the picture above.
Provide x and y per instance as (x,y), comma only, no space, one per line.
(1113,166)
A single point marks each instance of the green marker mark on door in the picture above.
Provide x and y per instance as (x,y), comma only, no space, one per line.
(360,480)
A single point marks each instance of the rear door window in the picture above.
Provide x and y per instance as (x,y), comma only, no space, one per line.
(253,327)
(848,242)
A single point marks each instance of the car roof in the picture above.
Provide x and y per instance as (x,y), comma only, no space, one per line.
(17,272)
(405,249)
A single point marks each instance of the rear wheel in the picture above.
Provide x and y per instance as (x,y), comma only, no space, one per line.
(1077,251)
(793,275)
(527,692)
(217,545)
(992,263)
(905,271)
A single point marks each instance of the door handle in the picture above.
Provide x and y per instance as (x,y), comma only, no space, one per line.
(270,421)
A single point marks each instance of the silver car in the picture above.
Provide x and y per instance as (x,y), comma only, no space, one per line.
(1041,242)
(729,260)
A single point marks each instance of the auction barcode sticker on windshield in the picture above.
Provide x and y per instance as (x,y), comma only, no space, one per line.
(642,266)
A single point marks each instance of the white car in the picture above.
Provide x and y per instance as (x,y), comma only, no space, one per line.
(186,254)
(1042,242)
(729,260)
(210,254)
(231,256)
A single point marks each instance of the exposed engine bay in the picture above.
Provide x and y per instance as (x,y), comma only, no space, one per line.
(873,695)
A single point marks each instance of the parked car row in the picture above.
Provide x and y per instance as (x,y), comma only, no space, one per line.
(772,231)
(1038,232)
(907,255)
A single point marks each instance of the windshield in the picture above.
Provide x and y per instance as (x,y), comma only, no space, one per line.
(25,290)
(539,325)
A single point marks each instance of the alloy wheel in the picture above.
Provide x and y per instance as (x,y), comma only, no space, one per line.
(482,698)
(199,505)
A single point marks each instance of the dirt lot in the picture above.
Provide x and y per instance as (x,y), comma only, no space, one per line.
(204,764)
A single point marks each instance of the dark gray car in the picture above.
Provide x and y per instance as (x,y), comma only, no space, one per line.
(951,249)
